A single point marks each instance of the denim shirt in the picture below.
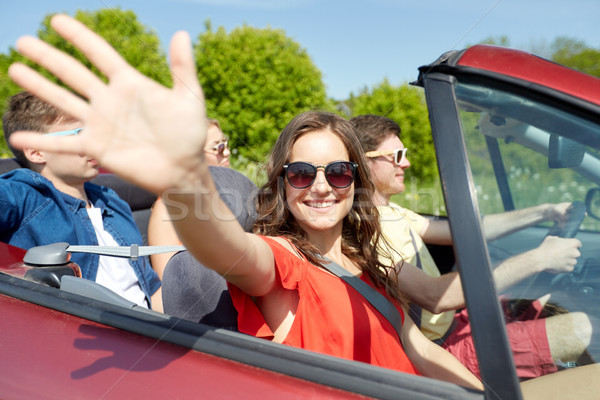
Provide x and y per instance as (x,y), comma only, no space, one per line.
(33,213)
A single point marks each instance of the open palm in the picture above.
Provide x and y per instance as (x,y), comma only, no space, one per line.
(147,133)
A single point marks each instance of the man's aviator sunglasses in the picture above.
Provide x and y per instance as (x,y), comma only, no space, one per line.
(65,133)
(339,174)
(399,154)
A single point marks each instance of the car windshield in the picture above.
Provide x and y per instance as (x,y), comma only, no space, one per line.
(524,153)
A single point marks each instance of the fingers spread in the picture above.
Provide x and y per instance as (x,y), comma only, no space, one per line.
(33,82)
(94,47)
(63,66)
(71,145)
(183,66)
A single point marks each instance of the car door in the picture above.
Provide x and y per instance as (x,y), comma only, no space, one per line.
(508,137)
(63,341)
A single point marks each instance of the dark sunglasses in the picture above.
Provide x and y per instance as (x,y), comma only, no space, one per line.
(219,148)
(339,174)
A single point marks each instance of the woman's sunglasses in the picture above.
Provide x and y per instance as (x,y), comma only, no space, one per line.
(339,174)
(219,148)
(399,154)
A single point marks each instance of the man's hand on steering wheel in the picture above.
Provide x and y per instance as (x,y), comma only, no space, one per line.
(558,255)
(567,217)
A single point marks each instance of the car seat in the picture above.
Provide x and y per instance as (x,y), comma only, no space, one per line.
(8,164)
(194,292)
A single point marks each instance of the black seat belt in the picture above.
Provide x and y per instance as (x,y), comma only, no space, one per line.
(376,299)
(415,310)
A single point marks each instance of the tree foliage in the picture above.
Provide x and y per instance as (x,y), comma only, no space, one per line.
(405,105)
(497,41)
(255,81)
(139,45)
(577,55)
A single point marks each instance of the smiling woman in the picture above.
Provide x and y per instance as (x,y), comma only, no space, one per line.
(316,204)
(319,203)
(474,97)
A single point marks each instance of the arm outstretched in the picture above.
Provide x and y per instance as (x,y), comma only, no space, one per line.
(148,134)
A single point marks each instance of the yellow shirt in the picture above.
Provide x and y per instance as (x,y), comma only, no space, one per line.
(396,224)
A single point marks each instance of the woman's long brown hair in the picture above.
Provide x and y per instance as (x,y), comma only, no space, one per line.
(361,232)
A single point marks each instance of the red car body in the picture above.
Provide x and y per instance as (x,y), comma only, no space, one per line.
(526,67)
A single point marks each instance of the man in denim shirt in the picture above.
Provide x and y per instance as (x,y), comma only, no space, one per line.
(52,200)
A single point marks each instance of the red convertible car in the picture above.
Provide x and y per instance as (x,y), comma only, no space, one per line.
(511,130)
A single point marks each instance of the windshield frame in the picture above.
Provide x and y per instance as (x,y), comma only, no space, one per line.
(439,81)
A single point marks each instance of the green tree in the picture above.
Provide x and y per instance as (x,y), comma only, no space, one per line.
(255,81)
(577,55)
(139,45)
(497,41)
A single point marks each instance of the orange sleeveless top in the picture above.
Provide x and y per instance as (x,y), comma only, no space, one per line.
(332,317)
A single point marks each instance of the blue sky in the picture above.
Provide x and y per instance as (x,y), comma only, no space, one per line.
(354,43)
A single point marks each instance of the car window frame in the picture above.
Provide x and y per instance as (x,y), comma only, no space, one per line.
(494,354)
(482,301)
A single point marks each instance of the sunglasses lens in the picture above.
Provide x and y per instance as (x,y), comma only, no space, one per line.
(300,175)
(400,156)
(340,174)
(220,148)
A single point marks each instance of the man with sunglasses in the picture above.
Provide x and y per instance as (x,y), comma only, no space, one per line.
(537,344)
(51,200)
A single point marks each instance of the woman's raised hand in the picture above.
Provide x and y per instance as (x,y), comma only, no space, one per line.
(150,135)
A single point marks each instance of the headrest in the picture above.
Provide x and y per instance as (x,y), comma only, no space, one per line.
(8,164)
(238,193)
(136,197)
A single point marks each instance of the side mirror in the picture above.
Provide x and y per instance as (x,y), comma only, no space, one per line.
(564,152)
(592,202)
(49,254)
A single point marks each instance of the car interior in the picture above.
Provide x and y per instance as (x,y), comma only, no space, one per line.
(524,152)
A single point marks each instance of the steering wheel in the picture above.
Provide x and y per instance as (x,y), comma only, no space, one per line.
(569,229)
